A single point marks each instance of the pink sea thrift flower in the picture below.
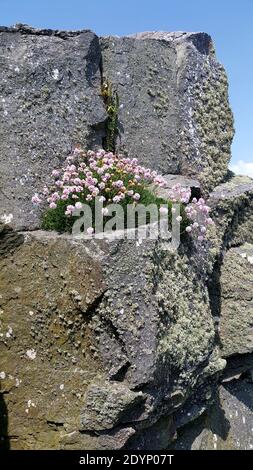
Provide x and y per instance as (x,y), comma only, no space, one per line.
(36,199)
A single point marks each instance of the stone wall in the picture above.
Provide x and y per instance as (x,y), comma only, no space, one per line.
(174,110)
(123,344)
(174,113)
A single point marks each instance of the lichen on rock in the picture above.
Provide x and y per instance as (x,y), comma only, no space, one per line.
(124,344)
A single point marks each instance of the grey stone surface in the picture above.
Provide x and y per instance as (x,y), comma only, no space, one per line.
(237,365)
(49,102)
(227,425)
(109,404)
(174,112)
(232,211)
(172,180)
(236,315)
(125,328)
(49,286)
(113,345)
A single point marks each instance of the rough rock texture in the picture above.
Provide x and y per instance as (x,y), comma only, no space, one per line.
(115,351)
(232,212)
(232,204)
(48,289)
(228,423)
(122,344)
(172,180)
(236,322)
(49,102)
(174,112)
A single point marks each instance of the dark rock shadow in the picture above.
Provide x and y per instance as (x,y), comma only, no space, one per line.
(4,439)
(214,284)
(242,390)
(211,421)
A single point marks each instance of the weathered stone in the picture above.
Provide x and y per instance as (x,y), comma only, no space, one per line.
(113,345)
(115,439)
(236,314)
(156,311)
(46,344)
(174,113)
(109,404)
(9,239)
(172,180)
(237,365)
(232,211)
(49,102)
(83,316)
(226,426)
(156,437)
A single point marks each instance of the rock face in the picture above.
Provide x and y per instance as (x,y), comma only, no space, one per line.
(48,288)
(236,330)
(49,102)
(228,423)
(126,344)
(174,113)
(90,343)
(232,204)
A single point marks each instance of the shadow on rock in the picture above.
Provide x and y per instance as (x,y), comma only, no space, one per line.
(198,435)
(4,439)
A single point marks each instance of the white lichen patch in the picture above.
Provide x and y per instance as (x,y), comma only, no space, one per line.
(245,256)
(18,382)
(55,74)
(7,218)
(30,404)
(31,353)
(2,375)
(9,332)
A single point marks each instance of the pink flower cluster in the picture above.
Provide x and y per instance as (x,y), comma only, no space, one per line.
(97,174)
(198,212)
(179,194)
(113,179)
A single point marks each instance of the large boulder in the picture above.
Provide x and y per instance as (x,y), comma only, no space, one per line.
(236,314)
(174,114)
(49,289)
(101,343)
(232,211)
(50,101)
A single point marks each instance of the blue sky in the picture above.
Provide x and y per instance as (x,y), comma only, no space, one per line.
(230,23)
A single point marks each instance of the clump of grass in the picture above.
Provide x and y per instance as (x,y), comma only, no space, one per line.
(111,100)
(56,219)
(89,177)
